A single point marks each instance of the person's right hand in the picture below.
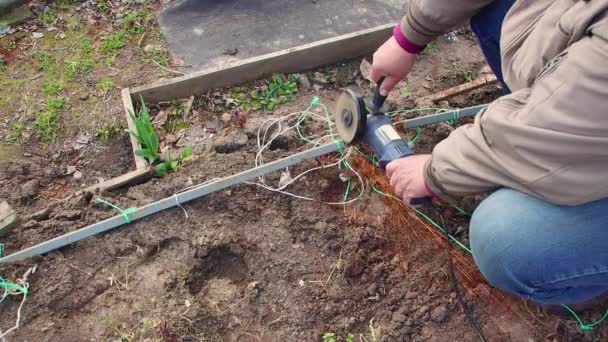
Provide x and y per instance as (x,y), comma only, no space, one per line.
(393,63)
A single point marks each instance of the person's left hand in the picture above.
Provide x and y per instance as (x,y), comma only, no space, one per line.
(407,176)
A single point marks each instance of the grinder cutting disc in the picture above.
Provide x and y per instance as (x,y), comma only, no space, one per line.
(350,116)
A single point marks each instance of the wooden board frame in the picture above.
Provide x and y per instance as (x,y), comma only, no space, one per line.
(296,59)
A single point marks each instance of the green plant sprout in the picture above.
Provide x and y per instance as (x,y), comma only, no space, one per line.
(105,84)
(329,337)
(431,47)
(107,131)
(275,93)
(47,122)
(148,139)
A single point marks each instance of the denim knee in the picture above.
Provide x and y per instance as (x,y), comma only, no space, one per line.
(496,245)
(547,253)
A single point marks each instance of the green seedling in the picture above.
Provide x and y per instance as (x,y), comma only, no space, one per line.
(48,16)
(73,67)
(47,126)
(405,90)
(51,85)
(16,129)
(275,93)
(466,75)
(47,122)
(431,47)
(130,23)
(170,165)
(107,131)
(148,139)
(105,84)
(46,62)
(114,42)
(102,5)
(329,337)
(160,56)
(85,44)
(176,125)
(124,336)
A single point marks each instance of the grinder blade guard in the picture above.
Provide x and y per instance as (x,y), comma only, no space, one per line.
(360,120)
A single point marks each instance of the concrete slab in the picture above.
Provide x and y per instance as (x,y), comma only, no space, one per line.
(206,33)
(16,16)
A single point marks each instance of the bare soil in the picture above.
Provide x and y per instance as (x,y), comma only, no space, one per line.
(245,264)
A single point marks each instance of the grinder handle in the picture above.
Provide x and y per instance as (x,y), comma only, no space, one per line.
(378,99)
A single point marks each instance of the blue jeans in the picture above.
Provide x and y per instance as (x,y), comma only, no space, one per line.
(487,25)
(547,253)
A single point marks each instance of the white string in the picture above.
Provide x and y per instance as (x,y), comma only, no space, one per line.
(14,292)
(190,188)
(179,205)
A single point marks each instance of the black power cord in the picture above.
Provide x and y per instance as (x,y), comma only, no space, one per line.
(468,310)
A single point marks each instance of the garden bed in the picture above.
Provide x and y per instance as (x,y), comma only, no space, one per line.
(248,264)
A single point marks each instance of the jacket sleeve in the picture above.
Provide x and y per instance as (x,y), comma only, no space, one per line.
(550,140)
(426,19)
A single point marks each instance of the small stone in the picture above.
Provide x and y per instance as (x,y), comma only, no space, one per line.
(31,224)
(213,124)
(29,189)
(69,215)
(78,175)
(8,218)
(37,35)
(151,48)
(71,170)
(226,117)
(304,82)
(84,96)
(42,214)
(398,317)
(439,314)
(410,295)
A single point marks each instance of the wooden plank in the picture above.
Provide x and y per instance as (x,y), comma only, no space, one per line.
(477,83)
(140,163)
(123,180)
(303,57)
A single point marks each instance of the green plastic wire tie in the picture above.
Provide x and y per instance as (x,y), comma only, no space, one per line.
(347,191)
(124,212)
(580,322)
(454,117)
(315,101)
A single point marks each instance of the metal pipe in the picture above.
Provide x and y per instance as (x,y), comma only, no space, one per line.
(443,116)
(169,202)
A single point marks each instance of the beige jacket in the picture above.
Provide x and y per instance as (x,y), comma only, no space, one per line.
(549,137)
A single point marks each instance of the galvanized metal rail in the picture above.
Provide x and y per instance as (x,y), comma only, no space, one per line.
(169,202)
(214,186)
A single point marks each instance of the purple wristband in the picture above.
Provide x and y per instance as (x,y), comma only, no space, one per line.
(404,42)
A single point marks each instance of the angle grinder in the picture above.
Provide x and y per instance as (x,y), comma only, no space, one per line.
(364,120)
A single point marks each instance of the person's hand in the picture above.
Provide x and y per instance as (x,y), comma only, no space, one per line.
(407,177)
(391,62)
